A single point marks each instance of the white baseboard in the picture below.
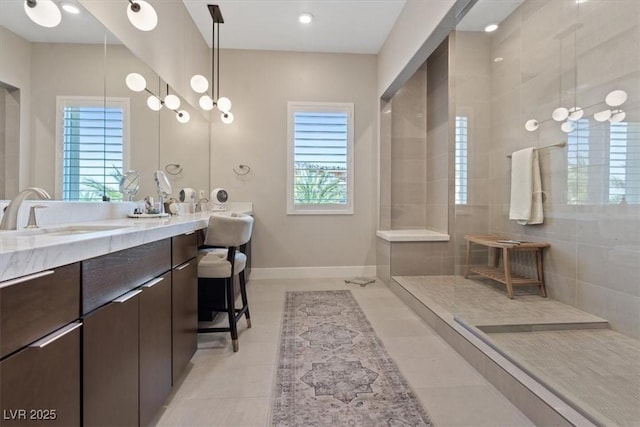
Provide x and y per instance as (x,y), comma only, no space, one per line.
(313,272)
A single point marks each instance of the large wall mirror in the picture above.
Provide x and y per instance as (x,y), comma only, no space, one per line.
(47,75)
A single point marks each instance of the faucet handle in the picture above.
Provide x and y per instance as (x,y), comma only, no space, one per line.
(33,223)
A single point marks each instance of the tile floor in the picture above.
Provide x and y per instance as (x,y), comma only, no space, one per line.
(226,389)
(598,369)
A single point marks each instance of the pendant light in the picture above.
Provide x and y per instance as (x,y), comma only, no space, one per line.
(200,84)
(142,15)
(137,83)
(43,12)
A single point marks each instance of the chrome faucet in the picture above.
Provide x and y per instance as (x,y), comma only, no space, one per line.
(10,217)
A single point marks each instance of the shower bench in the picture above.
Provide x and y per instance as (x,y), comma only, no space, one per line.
(505,246)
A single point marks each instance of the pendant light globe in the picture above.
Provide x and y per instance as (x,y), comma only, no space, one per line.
(142,15)
(172,102)
(199,83)
(227,118)
(206,103)
(43,12)
(224,104)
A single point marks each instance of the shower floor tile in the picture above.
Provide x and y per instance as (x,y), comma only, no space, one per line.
(571,351)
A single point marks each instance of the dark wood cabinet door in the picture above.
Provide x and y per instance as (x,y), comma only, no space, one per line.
(110,363)
(184,315)
(155,346)
(40,384)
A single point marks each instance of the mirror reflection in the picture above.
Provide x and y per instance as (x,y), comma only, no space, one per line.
(70,123)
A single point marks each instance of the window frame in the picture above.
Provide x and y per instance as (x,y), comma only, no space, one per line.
(319,209)
(94,102)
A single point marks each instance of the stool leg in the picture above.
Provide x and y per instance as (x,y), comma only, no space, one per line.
(468,260)
(543,290)
(231,310)
(507,271)
(245,301)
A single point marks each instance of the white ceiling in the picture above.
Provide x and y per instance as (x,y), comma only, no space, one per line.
(347,26)
(486,12)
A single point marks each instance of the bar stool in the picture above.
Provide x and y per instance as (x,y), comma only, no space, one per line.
(218,268)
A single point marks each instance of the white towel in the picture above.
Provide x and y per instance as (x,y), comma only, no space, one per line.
(526,187)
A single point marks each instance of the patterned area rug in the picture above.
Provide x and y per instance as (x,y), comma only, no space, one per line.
(334,371)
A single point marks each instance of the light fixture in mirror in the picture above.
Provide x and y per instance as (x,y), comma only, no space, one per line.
(136,82)
(183,116)
(615,98)
(154,103)
(142,15)
(227,118)
(43,12)
(172,102)
(199,83)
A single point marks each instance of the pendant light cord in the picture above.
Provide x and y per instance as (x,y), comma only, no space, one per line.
(218,64)
(105,198)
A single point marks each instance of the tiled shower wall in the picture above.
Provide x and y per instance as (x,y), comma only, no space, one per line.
(415,132)
(595,238)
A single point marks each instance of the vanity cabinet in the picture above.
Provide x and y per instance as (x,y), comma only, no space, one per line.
(155,346)
(110,363)
(123,298)
(184,260)
(40,344)
(99,342)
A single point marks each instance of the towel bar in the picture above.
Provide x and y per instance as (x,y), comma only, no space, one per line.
(559,144)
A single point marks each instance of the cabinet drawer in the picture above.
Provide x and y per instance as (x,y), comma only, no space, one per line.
(109,276)
(184,247)
(41,383)
(34,306)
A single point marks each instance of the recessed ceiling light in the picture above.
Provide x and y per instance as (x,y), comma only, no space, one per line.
(305,18)
(498,59)
(581,1)
(71,8)
(491,28)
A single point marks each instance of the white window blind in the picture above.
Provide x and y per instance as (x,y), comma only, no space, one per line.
(92,149)
(320,172)
(624,163)
(461,159)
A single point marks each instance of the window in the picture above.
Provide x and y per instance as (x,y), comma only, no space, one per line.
(461,160)
(603,163)
(92,147)
(320,158)
(624,163)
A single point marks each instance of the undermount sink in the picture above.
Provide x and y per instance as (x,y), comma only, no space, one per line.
(65,230)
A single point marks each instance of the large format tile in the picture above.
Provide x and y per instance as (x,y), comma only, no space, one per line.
(223,388)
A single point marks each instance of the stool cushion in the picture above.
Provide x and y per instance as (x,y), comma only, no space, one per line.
(214,265)
(221,252)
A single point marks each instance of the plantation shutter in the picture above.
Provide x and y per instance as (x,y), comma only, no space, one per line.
(320,152)
(320,158)
(93,152)
(624,163)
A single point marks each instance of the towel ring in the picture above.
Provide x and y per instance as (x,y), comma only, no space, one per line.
(244,170)
(175,169)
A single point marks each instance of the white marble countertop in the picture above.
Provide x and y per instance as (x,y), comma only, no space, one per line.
(23,253)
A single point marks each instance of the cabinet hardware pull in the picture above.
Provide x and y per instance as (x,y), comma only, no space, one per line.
(153,282)
(26,278)
(183,266)
(126,297)
(42,343)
